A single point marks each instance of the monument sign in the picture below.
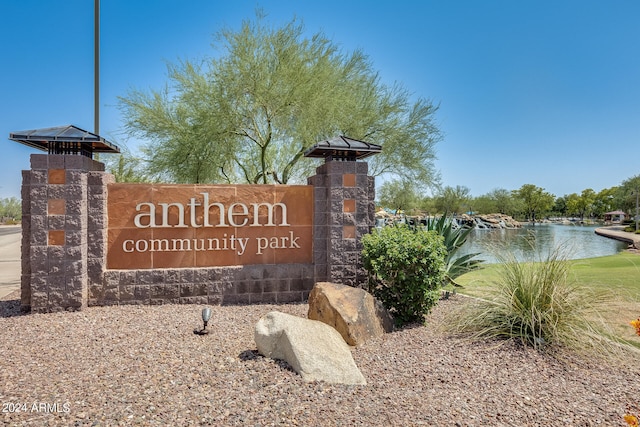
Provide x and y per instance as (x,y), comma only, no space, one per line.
(87,240)
(162,226)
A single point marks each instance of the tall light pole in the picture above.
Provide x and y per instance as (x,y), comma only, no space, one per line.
(96,67)
(637,208)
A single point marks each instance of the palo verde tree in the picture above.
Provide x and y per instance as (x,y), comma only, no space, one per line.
(125,167)
(249,114)
(399,195)
(453,199)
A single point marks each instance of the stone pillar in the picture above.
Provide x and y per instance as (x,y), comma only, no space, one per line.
(344,210)
(97,230)
(25,248)
(55,222)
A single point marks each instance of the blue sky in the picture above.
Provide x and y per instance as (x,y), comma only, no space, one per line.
(530,92)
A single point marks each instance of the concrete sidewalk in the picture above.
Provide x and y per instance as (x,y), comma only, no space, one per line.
(617,232)
(10,264)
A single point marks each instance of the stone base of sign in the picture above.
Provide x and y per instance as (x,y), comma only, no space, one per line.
(65,233)
(250,284)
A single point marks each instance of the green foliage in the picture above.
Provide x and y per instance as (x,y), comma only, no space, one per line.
(10,210)
(538,304)
(126,167)
(268,94)
(497,200)
(453,199)
(483,205)
(604,202)
(626,194)
(427,204)
(454,238)
(399,195)
(406,270)
(581,205)
(560,206)
(536,201)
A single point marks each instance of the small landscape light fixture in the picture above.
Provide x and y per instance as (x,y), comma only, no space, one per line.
(206,315)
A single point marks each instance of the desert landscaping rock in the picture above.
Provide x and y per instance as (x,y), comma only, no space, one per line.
(142,365)
(353,312)
(313,349)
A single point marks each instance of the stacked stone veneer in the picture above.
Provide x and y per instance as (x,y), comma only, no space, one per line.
(344,211)
(64,244)
(266,283)
(62,230)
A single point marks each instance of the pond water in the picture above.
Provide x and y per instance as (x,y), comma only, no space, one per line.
(531,243)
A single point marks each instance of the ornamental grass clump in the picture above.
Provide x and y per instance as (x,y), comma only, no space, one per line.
(538,304)
(406,270)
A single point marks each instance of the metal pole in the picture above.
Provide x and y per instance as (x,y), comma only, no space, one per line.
(96,67)
(637,209)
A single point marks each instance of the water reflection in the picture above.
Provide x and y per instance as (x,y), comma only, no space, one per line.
(534,242)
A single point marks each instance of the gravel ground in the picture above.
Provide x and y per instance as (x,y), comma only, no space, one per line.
(133,365)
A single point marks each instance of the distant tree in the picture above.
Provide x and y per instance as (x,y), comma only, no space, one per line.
(517,208)
(427,205)
(627,194)
(10,208)
(504,200)
(535,200)
(581,205)
(453,200)
(572,201)
(585,205)
(249,114)
(399,195)
(497,200)
(560,206)
(484,204)
(604,202)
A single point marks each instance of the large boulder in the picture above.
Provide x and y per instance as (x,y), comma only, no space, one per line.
(353,312)
(499,221)
(313,349)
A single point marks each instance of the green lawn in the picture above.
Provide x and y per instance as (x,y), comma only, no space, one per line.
(619,274)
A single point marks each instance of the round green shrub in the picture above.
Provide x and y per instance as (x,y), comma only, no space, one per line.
(406,270)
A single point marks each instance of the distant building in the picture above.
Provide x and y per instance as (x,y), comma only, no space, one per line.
(615,217)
